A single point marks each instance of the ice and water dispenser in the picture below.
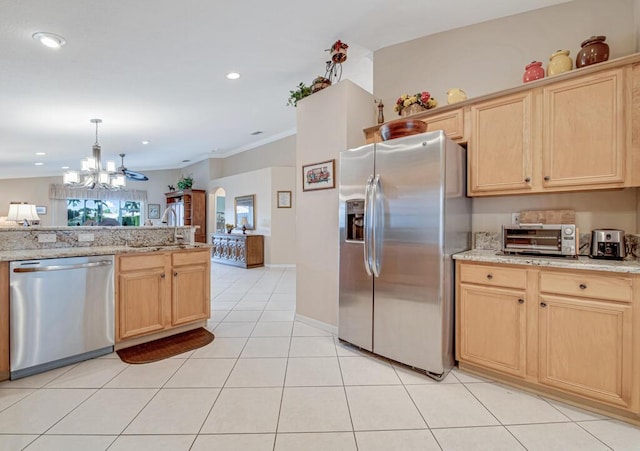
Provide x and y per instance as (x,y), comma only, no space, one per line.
(355,220)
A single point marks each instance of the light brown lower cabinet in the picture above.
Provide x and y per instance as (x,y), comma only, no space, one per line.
(568,334)
(158,291)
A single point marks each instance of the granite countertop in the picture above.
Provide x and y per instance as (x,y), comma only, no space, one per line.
(32,254)
(580,263)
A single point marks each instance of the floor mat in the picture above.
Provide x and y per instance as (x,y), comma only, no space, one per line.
(164,348)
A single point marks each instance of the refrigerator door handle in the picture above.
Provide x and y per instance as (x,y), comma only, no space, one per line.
(375,232)
(368,207)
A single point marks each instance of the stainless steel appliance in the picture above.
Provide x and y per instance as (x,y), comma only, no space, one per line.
(607,243)
(540,239)
(396,272)
(62,311)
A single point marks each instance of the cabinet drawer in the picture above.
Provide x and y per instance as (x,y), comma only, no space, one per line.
(609,287)
(142,261)
(191,257)
(493,276)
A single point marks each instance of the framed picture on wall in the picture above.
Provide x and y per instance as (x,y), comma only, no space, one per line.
(154,211)
(284,199)
(319,176)
(41,209)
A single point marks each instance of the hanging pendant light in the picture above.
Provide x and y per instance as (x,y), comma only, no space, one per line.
(94,174)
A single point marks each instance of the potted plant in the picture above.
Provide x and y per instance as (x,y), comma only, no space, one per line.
(229,227)
(300,93)
(185,182)
(320,83)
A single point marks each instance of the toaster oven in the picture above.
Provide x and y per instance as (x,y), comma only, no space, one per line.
(540,239)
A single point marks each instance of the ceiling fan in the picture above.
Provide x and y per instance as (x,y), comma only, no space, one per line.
(130,174)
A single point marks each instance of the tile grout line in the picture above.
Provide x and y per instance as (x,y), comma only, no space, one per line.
(346,397)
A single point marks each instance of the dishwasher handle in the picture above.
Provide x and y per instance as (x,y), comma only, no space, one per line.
(64,267)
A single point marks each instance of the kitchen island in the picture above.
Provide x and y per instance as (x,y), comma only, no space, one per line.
(162,277)
(567,328)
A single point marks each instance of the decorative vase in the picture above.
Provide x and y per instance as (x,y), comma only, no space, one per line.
(533,71)
(594,50)
(414,108)
(455,95)
(229,229)
(559,62)
(401,128)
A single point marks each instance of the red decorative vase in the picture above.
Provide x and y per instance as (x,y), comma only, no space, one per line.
(594,50)
(533,71)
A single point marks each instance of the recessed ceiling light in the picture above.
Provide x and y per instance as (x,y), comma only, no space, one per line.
(233,75)
(41,153)
(49,39)
(64,167)
(39,164)
(145,142)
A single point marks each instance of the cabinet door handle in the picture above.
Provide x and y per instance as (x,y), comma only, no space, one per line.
(520,301)
(527,180)
(583,286)
(162,276)
(175,274)
(489,276)
(547,178)
(542,304)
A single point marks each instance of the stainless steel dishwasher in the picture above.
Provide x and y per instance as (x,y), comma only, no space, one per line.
(61,311)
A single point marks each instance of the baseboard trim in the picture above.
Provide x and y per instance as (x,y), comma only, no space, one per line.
(318,324)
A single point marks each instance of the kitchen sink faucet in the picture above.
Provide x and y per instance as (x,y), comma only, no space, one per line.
(177,237)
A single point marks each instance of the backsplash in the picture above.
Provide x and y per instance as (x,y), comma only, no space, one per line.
(27,238)
(492,241)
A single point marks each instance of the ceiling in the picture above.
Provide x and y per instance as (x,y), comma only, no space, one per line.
(155,70)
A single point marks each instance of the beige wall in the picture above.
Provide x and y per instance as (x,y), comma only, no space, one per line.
(283,220)
(328,122)
(491,56)
(614,209)
(280,153)
(36,190)
(200,172)
(264,183)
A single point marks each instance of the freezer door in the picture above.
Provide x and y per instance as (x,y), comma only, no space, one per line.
(408,309)
(355,314)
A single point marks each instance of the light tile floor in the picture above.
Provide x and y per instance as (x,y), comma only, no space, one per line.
(268,382)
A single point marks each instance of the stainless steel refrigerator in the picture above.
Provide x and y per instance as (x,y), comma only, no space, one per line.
(403,213)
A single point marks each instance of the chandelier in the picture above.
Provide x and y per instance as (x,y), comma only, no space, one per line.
(93,174)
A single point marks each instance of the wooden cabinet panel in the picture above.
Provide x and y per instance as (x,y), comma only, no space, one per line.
(584,131)
(493,328)
(170,289)
(493,275)
(452,122)
(501,144)
(141,302)
(611,287)
(194,203)
(246,251)
(585,348)
(191,288)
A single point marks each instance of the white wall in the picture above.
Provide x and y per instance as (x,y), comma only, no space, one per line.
(329,121)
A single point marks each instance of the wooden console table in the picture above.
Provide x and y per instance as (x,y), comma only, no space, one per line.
(245,251)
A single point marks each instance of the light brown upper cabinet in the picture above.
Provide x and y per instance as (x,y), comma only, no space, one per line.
(500,147)
(570,135)
(584,131)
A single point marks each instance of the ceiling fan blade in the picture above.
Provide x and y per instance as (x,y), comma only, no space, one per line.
(135,175)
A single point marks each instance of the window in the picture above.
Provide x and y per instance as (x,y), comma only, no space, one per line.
(103,212)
